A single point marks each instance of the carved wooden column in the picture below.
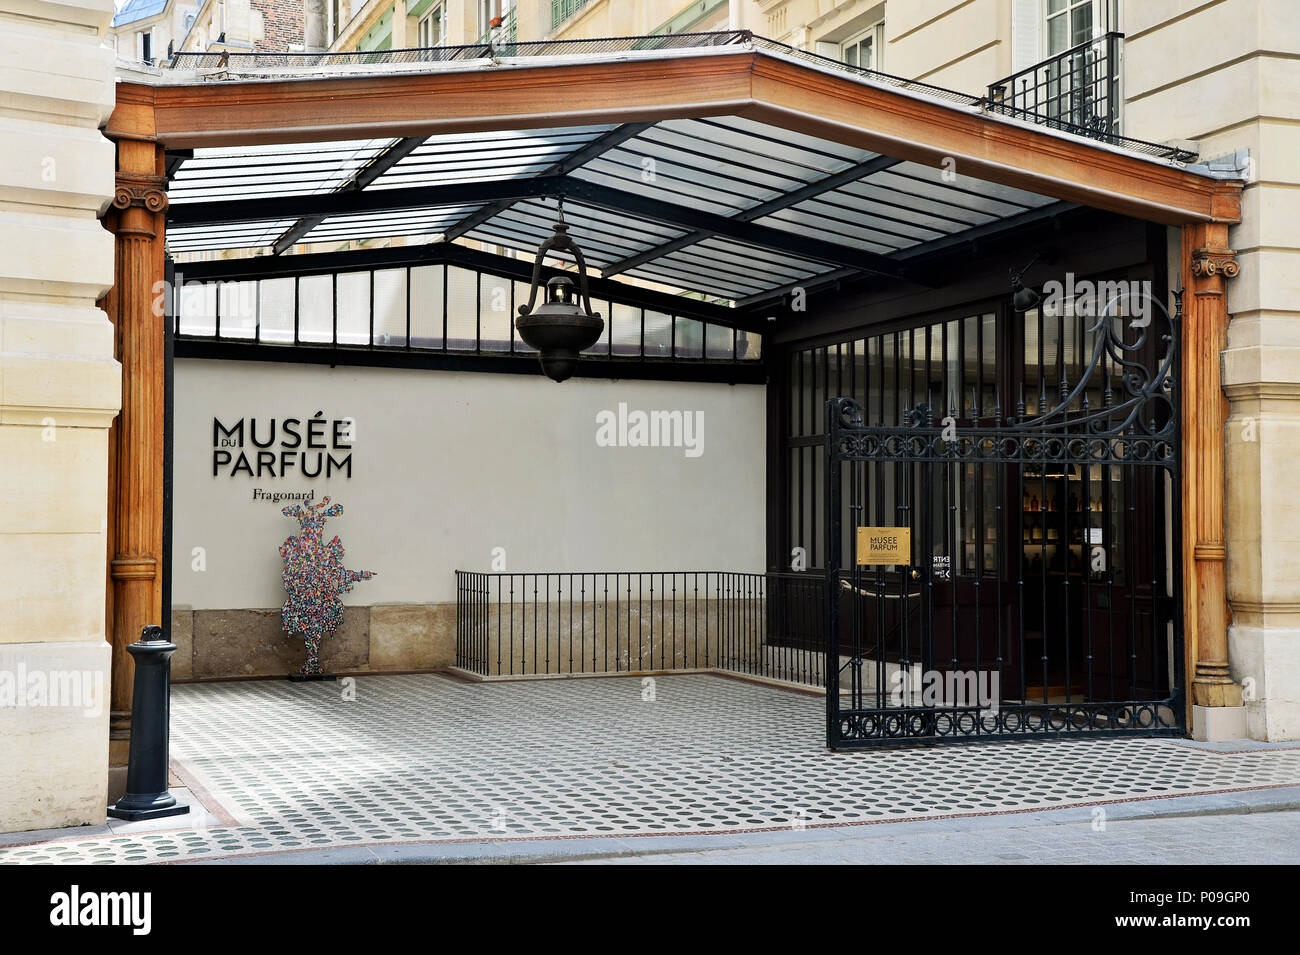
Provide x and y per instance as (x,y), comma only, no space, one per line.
(137,218)
(1208,264)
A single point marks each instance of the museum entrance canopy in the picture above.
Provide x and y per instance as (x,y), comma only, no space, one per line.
(704,177)
(719,166)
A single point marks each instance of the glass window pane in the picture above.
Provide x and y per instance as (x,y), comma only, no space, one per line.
(952,373)
(873,376)
(237,302)
(719,342)
(1058,35)
(198,308)
(749,346)
(905,399)
(808,419)
(658,334)
(833,387)
(275,310)
(689,339)
(521,298)
(934,387)
(354,308)
(494,313)
(390,307)
(1081,24)
(920,341)
(426,306)
(970,368)
(316,308)
(889,382)
(601,347)
(462,309)
(626,333)
(1032,325)
(989,365)
(817,407)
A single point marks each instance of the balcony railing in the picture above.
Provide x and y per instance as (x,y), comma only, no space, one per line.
(1077,91)
(508,31)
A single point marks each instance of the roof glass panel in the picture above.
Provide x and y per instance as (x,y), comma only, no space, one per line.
(245,172)
(603,238)
(723,166)
(493,155)
(239,235)
(374,224)
(965,192)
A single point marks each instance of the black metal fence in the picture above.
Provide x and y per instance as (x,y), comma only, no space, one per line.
(533,624)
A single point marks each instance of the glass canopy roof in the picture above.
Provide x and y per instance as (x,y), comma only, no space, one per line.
(724,206)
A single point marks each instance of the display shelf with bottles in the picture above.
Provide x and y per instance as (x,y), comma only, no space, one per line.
(1063,523)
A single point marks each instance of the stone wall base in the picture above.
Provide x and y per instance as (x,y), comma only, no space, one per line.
(216,644)
(54,765)
(1266,662)
(1212,724)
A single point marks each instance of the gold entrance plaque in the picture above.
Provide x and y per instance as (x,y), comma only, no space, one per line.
(885,545)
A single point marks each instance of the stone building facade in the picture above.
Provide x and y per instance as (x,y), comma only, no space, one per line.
(1219,73)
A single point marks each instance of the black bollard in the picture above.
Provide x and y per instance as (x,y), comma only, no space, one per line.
(147,796)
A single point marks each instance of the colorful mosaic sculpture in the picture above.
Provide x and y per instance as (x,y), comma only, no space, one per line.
(314,579)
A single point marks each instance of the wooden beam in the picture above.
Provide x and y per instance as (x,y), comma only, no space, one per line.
(756,85)
(446,100)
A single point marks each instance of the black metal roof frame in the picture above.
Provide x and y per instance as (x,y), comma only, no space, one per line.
(438,253)
(723,225)
(723,206)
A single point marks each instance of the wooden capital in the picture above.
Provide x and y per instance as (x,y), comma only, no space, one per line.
(1207,263)
(140,192)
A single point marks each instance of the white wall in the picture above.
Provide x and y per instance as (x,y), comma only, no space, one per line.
(448,465)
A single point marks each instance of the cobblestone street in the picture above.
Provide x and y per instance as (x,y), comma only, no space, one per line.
(426,767)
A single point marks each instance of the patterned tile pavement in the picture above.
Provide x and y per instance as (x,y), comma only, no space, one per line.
(424,759)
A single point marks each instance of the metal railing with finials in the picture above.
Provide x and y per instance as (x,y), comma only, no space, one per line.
(1077,91)
(558,624)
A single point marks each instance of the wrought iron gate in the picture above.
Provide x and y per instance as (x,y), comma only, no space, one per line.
(1036,592)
